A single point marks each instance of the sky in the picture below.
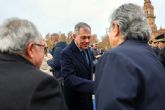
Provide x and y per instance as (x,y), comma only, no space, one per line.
(61,15)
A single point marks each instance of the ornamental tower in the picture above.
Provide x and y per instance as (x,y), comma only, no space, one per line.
(149,11)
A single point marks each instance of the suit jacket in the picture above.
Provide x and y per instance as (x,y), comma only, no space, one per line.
(130,77)
(77,78)
(55,62)
(24,87)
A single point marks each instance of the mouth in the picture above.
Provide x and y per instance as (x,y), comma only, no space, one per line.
(85,45)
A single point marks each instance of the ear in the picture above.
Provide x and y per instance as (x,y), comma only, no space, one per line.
(30,50)
(115,29)
(74,36)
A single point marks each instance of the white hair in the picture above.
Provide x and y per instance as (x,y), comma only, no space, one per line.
(132,22)
(15,34)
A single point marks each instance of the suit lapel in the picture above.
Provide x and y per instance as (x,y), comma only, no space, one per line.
(79,57)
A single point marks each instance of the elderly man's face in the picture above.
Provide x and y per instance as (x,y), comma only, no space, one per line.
(82,39)
(111,34)
(38,53)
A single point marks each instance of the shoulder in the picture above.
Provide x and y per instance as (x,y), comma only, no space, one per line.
(39,79)
(61,44)
(43,77)
(118,55)
(47,88)
(118,51)
(31,73)
(66,50)
(32,77)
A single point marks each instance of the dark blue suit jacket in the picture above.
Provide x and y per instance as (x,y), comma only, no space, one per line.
(77,78)
(130,77)
(55,62)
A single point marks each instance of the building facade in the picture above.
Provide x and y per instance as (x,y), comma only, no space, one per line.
(149,11)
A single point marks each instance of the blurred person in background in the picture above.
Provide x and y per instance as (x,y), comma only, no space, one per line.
(54,39)
(54,63)
(96,51)
(160,50)
(160,41)
(47,56)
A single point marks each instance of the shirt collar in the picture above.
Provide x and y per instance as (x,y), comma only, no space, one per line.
(78,47)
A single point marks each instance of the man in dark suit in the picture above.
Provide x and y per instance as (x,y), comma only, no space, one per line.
(130,76)
(77,69)
(23,86)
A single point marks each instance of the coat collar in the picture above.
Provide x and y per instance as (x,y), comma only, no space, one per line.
(15,58)
(77,54)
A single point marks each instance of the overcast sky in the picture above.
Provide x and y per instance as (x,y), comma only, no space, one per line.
(61,15)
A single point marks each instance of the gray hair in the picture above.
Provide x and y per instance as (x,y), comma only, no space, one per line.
(15,34)
(132,22)
(80,25)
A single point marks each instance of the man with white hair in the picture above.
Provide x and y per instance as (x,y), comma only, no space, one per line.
(23,86)
(130,75)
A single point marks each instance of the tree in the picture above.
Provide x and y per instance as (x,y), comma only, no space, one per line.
(69,37)
(94,39)
(104,44)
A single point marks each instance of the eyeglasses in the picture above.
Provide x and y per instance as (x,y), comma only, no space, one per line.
(40,45)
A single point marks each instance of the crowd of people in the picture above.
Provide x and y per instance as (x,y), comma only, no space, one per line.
(129,76)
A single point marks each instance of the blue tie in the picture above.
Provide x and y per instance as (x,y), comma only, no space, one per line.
(85,56)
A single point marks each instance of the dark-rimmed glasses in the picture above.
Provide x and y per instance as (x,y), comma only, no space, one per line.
(40,45)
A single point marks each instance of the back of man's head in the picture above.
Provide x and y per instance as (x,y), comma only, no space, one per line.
(15,34)
(132,22)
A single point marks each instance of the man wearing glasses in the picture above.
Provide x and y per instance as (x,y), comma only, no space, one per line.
(129,76)
(77,69)
(23,86)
